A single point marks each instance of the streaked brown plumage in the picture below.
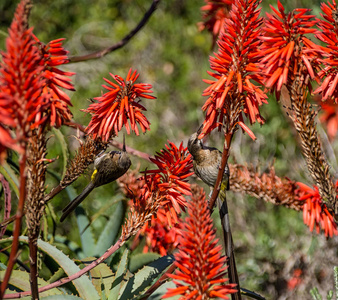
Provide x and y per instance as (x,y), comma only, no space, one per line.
(206,161)
(107,168)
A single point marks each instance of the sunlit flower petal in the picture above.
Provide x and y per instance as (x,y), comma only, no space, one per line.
(118,107)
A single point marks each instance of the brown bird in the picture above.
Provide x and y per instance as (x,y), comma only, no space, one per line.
(207,161)
(107,168)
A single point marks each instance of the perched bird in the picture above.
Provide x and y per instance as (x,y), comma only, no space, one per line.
(207,161)
(107,168)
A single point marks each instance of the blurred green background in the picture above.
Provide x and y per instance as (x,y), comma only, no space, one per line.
(172,55)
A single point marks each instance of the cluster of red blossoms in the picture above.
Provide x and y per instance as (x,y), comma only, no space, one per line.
(30,83)
(119,107)
(315,213)
(201,268)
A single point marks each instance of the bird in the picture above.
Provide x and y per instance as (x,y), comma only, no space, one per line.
(207,161)
(206,164)
(107,168)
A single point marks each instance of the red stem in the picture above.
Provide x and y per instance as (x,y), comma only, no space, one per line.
(225,156)
(17,229)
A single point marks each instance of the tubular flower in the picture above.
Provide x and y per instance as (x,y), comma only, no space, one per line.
(329,35)
(29,95)
(113,109)
(57,105)
(214,13)
(329,117)
(284,45)
(169,180)
(160,236)
(21,77)
(315,213)
(236,68)
(200,265)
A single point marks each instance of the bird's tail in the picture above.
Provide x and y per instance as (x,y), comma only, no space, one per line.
(72,205)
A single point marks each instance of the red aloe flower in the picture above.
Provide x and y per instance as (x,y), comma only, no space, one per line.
(236,68)
(113,109)
(284,45)
(57,106)
(21,77)
(214,13)
(200,265)
(160,236)
(315,213)
(29,79)
(329,116)
(170,179)
(329,35)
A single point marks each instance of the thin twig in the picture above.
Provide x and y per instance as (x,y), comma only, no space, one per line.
(124,41)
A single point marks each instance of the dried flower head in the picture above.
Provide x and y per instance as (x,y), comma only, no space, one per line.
(114,108)
(236,69)
(315,212)
(201,268)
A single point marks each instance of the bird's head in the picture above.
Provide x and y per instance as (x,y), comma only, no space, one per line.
(194,143)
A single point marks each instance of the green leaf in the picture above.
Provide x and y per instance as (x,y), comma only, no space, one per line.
(139,260)
(71,245)
(83,285)
(61,297)
(118,279)
(110,231)
(64,148)
(10,176)
(145,277)
(86,235)
(101,275)
(20,280)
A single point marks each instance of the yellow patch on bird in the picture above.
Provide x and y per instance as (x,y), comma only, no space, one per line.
(223,186)
(93,175)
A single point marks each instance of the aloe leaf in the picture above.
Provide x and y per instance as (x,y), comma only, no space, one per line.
(64,148)
(118,279)
(102,276)
(82,284)
(139,260)
(10,176)
(61,297)
(87,239)
(110,231)
(20,280)
(143,279)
